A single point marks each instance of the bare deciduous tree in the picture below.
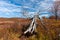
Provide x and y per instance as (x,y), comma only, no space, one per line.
(55,9)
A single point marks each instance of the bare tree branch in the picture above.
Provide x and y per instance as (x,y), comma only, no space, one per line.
(55,9)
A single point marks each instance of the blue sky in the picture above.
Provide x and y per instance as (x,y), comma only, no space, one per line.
(14,8)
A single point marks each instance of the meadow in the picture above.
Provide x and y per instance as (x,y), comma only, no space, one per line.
(11,29)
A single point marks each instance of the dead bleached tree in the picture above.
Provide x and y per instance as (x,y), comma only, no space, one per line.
(31,28)
(33,24)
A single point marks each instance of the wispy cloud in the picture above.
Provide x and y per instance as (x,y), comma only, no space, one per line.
(6,7)
(10,8)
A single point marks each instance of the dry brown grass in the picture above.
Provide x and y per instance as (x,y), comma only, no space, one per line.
(12,30)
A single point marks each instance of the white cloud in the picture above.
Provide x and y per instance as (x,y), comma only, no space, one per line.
(28,7)
(6,7)
(45,6)
(10,9)
(54,0)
